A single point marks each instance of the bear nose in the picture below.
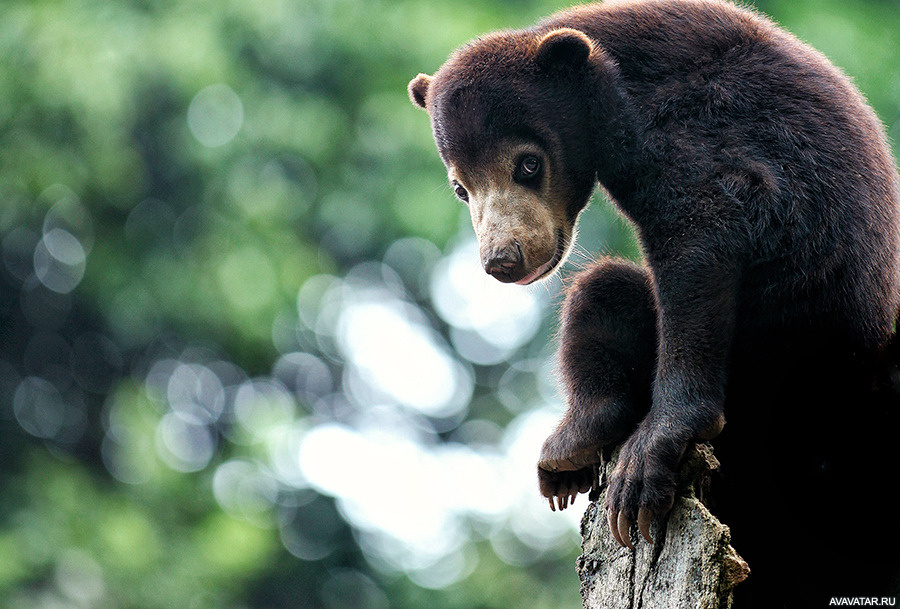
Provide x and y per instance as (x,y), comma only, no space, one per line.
(504,263)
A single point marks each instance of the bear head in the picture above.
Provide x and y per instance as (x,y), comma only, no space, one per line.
(515,120)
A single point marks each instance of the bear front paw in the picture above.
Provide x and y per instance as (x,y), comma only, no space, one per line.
(567,466)
(642,484)
(564,486)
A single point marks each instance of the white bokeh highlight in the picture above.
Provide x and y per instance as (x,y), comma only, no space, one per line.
(490,320)
(215,115)
(359,421)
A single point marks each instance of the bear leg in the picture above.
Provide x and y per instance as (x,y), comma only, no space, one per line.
(607,358)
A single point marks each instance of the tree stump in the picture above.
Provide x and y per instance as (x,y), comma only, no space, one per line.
(691,564)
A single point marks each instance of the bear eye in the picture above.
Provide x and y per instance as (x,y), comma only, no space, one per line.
(461,192)
(528,169)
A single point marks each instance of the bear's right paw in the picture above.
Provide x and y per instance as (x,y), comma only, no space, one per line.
(567,468)
(565,486)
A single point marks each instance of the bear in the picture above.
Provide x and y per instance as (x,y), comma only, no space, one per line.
(765,198)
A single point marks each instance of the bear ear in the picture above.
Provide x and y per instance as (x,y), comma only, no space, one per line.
(563,47)
(418,89)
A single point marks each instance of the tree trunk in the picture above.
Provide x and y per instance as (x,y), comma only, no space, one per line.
(690,565)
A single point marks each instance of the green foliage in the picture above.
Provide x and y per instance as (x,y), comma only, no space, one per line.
(172,175)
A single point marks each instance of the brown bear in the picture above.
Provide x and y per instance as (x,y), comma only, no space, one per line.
(766,201)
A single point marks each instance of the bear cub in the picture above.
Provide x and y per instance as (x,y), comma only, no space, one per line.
(765,198)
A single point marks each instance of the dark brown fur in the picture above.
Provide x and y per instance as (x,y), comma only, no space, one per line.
(766,200)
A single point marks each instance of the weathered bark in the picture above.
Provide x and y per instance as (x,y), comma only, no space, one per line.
(691,564)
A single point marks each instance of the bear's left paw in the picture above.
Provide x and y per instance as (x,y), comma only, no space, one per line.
(643,483)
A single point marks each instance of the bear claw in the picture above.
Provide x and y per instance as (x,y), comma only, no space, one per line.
(562,486)
(645,517)
(620,526)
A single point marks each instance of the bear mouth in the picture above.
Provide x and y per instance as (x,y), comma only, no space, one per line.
(550,265)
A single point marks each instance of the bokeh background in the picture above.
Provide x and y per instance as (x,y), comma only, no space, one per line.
(247,356)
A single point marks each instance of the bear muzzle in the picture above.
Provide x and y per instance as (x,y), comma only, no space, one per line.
(507,263)
(504,263)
